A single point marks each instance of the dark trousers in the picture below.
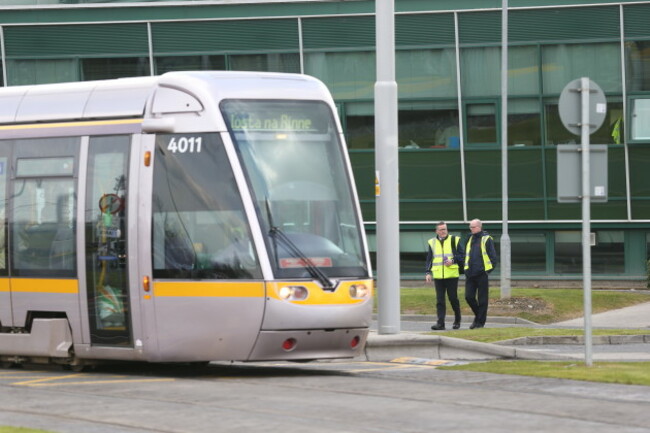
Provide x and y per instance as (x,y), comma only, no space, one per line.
(477,288)
(449,285)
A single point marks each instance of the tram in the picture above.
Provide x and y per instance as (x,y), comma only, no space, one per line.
(187,217)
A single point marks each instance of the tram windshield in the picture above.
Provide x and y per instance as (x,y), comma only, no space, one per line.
(292,157)
(199,225)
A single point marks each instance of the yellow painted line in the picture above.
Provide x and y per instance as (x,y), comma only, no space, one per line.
(96,382)
(71,124)
(37,285)
(209,289)
(390,367)
(422,361)
(23,376)
(4,285)
(47,379)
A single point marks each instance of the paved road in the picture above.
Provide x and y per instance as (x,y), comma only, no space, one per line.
(341,397)
(632,348)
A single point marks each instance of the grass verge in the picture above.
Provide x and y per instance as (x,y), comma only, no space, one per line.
(556,304)
(628,373)
(9,429)
(492,335)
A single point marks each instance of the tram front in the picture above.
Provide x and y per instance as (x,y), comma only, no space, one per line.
(319,294)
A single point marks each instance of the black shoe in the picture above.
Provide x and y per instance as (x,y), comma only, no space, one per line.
(480,326)
(438,327)
(456,325)
(473,325)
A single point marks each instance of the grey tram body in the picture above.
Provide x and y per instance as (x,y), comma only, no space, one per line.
(47,318)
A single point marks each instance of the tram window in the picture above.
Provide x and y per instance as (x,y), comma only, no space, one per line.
(43,216)
(295,166)
(199,224)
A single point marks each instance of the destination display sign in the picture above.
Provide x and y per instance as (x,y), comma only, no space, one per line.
(277,116)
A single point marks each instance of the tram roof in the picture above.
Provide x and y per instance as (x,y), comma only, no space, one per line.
(131,97)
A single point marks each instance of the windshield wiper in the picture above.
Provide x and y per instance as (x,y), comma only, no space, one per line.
(277,234)
(313,270)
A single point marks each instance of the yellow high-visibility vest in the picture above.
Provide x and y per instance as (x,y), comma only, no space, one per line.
(440,252)
(487,263)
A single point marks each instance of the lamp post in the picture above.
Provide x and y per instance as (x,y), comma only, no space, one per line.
(386,172)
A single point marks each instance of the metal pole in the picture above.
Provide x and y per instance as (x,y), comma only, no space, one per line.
(586,217)
(505,236)
(386,166)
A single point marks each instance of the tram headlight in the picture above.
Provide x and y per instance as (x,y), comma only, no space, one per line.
(359,291)
(293,293)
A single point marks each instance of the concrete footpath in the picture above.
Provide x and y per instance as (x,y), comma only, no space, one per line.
(416,340)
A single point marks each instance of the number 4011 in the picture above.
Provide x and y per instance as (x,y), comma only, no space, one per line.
(185,144)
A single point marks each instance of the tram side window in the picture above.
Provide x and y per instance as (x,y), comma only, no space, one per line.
(199,224)
(43,216)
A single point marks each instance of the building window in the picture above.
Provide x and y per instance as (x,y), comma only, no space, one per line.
(528,253)
(524,123)
(119,67)
(564,63)
(192,63)
(640,119)
(421,128)
(610,132)
(568,252)
(481,124)
(637,54)
(273,62)
(607,255)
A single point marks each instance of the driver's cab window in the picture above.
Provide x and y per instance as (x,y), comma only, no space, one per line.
(199,225)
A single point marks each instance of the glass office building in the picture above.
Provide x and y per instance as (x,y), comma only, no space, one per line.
(448,63)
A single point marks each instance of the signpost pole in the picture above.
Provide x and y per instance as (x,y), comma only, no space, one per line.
(505,236)
(586,218)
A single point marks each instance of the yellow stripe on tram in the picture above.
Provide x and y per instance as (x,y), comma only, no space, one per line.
(42,285)
(71,124)
(318,296)
(211,289)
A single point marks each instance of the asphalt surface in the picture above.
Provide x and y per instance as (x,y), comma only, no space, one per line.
(416,340)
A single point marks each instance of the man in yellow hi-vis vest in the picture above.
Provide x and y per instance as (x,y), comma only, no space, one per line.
(480,260)
(444,256)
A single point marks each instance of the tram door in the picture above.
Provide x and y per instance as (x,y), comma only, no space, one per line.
(107,280)
(6,317)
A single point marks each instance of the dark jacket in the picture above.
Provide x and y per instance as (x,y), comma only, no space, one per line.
(475,265)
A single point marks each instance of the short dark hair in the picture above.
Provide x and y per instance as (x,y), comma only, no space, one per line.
(441,223)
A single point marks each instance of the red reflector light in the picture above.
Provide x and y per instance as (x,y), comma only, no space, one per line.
(355,342)
(289,344)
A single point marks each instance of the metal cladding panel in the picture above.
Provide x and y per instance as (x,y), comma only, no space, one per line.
(318,344)
(76,101)
(5,303)
(48,337)
(205,328)
(238,85)
(11,98)
(287,315)
(119,98)
(54,102)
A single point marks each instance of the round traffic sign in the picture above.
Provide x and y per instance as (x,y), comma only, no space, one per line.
(570,107)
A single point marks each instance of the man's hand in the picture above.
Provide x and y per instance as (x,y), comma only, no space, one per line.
(427,277)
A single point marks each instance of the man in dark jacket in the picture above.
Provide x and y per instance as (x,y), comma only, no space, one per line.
(480,260)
